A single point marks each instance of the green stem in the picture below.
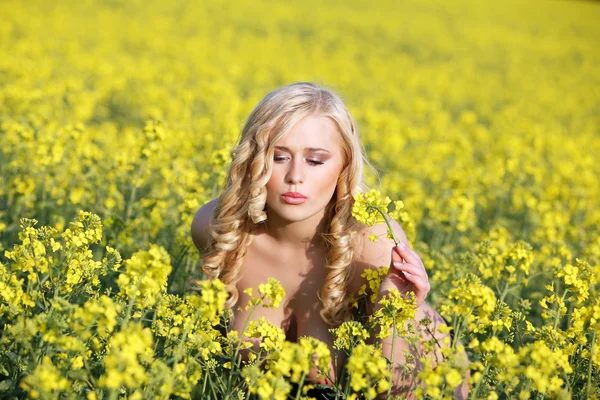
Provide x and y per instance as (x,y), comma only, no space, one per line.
(222,384)
(300,386)
(507,288)
(387,222)
(487,367)
(557,319)
(392,360)
(114,394)
(131,302)
(204,384)
(589,377)
(235,365)
(459,327)
(139,173)
(212,388)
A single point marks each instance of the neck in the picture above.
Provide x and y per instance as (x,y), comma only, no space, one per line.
(297,235)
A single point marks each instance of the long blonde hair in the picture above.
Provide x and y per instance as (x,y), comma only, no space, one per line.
(241,205)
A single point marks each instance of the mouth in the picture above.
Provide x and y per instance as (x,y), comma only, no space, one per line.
(293,198)
(296,195)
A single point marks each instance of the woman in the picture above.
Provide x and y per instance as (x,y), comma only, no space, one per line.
(286,213)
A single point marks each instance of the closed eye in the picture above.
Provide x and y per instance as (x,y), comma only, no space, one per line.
(311,162)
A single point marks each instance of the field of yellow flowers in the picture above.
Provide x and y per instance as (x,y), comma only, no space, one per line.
(116,121)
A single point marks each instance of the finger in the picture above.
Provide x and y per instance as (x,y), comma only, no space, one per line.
(419,282)
(411,269)
(396,256)
(408,254)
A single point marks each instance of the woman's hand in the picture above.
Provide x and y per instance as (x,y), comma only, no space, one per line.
(406,273)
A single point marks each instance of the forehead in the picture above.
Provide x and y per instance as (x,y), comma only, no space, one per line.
(312,131)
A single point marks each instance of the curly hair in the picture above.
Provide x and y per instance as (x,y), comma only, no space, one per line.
(242,204)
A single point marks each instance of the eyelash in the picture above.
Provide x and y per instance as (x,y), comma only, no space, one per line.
(311,162)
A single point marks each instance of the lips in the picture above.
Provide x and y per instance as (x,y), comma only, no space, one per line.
(293,198)
(294,195)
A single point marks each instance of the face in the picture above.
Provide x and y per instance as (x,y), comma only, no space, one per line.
(307,160)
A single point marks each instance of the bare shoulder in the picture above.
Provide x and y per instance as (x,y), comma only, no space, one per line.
(374,254)
(200,223)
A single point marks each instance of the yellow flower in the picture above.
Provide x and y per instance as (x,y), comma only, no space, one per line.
(368,371)
(371,208)
(125,350)
(45,380)
(145,276)
(348,335)
(373,277)
(273,291)
(395,310)
(272,337)
(471,299)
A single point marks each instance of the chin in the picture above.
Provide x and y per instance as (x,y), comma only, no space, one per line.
(294,215)
(292,212)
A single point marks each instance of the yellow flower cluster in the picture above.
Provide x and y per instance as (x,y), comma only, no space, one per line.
(210,304)
(31,256)
(372,207)
(272,291)
(127,352)
(145,276)
(369,207)
(295,360)
(440,381)
(577,279)
(471,300)
(393,312)
(348,335)
(45,381)
(267,385)
(374,278)
(368,371)
(97,317)
(85,230)
(536,363)
(272,337)
(544,366)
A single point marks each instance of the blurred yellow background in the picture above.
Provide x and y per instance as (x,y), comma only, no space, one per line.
(483,117)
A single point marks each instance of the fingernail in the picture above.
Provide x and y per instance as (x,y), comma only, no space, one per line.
(398,264)
(402,245)
(407,273)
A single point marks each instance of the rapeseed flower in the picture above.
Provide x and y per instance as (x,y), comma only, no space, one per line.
(295,360)
(272,337)
(145,276)
(394,311)
(348,335)
(471,300)
(374,278)
(45,381)
(368,371)
(128,351)
(272,291)
(371,208)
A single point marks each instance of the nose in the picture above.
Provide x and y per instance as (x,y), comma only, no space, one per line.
(295,174)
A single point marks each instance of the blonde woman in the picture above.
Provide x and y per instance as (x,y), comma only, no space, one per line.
(285,213)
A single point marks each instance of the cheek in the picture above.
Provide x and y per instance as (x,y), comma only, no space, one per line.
(328,180)
(272,183)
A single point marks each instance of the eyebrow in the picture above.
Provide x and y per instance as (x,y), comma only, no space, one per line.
(306,148)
